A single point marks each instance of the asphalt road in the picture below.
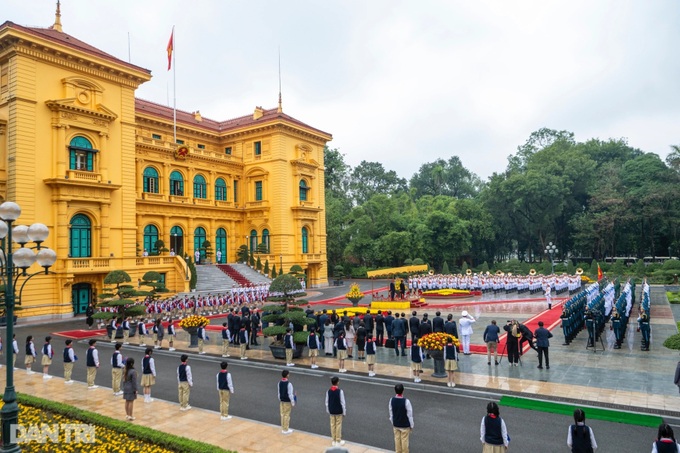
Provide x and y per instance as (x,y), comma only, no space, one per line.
(443,421)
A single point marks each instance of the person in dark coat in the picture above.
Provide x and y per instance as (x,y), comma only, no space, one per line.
(542,344)
(89,313)
(438,322)
(414,326)
(450,326)
(402,289)
(129,387)
(379,329)
(393,290)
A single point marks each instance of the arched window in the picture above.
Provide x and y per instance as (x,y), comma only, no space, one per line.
(177,240)
(220,190)
(221,245)
(303,190)
(305,240)
(176,184)
(150,238)
(199,187)
(265,240)
(199,239)
(81,154)
(253,241)
(150,180)
(80,238)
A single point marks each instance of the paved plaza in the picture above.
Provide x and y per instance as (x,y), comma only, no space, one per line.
(626,379)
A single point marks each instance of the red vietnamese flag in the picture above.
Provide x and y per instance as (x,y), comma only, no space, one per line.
(170,48)
(599,272)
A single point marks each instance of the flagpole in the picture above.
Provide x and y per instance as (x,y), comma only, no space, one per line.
(174,90)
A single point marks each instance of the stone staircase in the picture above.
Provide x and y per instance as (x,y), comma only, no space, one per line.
(211,278)
(250,273)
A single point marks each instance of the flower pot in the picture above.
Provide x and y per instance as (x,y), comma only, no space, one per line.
(355,301)
(438,358)
(193,336)
(279,351)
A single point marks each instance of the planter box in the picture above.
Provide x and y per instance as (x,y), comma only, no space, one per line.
(279,352)
(3,321)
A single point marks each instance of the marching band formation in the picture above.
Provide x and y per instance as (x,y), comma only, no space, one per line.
(498,282)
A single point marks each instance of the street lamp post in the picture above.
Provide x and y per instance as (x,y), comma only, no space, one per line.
(551,250)
(14,265)
(281,263)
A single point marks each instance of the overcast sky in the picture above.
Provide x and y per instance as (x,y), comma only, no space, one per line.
(405,82)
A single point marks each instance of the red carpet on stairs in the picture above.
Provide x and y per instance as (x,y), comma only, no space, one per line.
(550,318)
(234,274)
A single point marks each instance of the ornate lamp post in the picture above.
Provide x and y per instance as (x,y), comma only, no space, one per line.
(13,265)
(551,250)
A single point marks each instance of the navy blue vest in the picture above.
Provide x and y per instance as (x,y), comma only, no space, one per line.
(450,352)
(225,334)
(493,432)
(139,328)
(399,415)
(90,357)
(370,347)
(115,360)
(28,349)
(312,341)
(222,381)
(288,341)
(416,355)
(661,447)
(67,357)
(580,440)
(334,403)
(45,349)
(242,335)
(341,344)
(146,365)
(182,372)
(283,392)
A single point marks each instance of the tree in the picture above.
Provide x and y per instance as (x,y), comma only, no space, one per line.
(206,247)
(242,254)
(258,265)
(266,267)
(442,177)
(118,296)
(274,274)
(159,247)
(445,268)
(370,178)
(251,260)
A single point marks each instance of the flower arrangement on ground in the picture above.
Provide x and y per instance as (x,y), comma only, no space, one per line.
(436,341)
(194,321)
(446,292)
(354,292)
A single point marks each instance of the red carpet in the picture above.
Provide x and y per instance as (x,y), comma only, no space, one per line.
(550,318)
(80,334)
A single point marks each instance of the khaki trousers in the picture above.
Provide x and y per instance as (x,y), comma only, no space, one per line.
(200,345)
(289,355)
(91,374)
(225,347)
(336,428)
(183,389)
(491,345)
(243,349)
(126,336)
(116,376)
(401,439)
(285,409)
(224,402)
(68,369)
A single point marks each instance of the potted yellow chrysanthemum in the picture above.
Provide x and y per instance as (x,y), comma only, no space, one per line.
(354,294)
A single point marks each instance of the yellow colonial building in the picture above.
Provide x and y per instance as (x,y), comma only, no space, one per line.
(102,169)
